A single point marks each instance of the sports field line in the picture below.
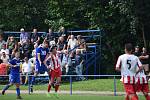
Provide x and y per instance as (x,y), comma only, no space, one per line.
(74,92)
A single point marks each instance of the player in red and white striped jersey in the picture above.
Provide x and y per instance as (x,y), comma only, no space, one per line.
(55,68)
(142,84)
(127,64)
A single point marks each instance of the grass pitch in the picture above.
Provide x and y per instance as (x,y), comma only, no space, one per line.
(63,97)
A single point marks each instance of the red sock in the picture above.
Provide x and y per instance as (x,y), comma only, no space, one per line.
(49,88)
(56,88)
(147,97)
(135,97)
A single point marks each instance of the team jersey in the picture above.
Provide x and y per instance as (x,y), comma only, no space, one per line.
(15,70)
(43,52)
(141,77)
(54,62)
(128,65)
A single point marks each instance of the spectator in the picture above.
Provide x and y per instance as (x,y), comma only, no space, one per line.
(81,43)
(61,44)
(4,49)
(34,37)
(23,36)
(144,58)
(49,36)
(62,31)
(70,67)
(3,68)
(26,68)
(79,64)
(64,62)
(5,57)
(2,42)
(11,44)
(26,49)
(137,51)
(72,43)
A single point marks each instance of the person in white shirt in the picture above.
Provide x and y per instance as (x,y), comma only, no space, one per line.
(128,64)
(26,68)
(4,57)
(72,43)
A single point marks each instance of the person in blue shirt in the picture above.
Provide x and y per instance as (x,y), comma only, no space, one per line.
(14,77)
(41,54)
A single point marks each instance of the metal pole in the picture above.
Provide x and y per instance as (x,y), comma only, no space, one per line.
(115,94)
(70,85)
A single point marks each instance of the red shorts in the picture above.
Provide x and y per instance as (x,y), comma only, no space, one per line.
(129,88)
(55,73)
(142,87)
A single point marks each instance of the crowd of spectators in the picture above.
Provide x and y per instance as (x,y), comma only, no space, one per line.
(71,59)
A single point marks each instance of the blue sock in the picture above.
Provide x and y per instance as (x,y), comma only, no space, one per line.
(18,91)
(6,87)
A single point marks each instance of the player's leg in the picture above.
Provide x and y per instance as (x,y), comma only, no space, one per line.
(126,97)
(145,90)
(11,80)
(51,80)
(18,90)
(58,81)
(133,97)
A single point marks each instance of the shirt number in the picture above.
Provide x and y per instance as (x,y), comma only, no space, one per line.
(129,64)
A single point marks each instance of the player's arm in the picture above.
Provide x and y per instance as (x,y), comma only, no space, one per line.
(118,65)
(39,59)
(45,61)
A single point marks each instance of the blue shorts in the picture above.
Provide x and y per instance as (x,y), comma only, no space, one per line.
(40,69)
(14,78)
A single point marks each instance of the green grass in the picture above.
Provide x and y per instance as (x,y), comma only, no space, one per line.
(64,97)
(89,85)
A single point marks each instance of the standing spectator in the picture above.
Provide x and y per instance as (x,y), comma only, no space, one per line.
(81,43)
(145,60)
(137,51)
(2,42)
(35,37)
(27,49)
(72,43)
(23,36)
(11,44)
(3,68)
(26,69)
(5,57)
(64,61)
(79,64)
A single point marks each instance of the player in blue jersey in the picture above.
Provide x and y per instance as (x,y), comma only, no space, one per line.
(41,54)
(14,77)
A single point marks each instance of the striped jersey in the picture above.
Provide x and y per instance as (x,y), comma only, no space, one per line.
(128,64)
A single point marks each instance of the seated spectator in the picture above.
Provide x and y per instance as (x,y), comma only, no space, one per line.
(3,68)
(79,59)
(2,42)
(24,36)
(5,57)
(35,38)
(62,31)
(11,44)
(26,68)
(72,43)
(49,36)
(61,44)
(144,58)
(81,43)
